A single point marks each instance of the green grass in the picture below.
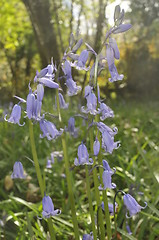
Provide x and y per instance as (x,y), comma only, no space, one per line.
(136,162)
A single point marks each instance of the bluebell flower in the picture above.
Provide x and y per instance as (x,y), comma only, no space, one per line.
(114,46)
(49,164)
(122,28)
(111,207)
(46,76)
(33,105)
(116,12)
(108,143)
(80,64)
(62,102)
(73,89)
(40,92)
(72,56)
(48,82)
(50,161)
(67,69)
(132,206)
(48,208)
(107,173)
(37,109)
(20,99)
(15,115)
(52,158)
(77,45)
(107,167)
(88,90)
(96,147)
(46,72)
(128,229)
(18,171)
(30,104)
(71,127)
(103,127)
(114,74)
(91,104)
(49,130)
(105,111)
(40,74)
(83,156)
(88,236)
(112,68)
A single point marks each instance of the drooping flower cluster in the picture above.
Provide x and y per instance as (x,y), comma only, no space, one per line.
(94,106)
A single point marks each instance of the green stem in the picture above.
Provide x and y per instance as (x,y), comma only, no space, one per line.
(68,175)
(90,203)
(39,176)
(107,215)
(51,230)
(35,158)
(115,222)
(95,178)
(105,198)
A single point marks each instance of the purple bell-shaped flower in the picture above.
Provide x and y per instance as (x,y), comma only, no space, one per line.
(107,180)
(132,206)
(18,171)
(71,127)
(15,115)
(62,102)
(108,143)
(111,207)
(48,165)
(40,92)
(105,111)
(73,89)
(88,236)
(48,208)
(96,147)
(49,130)
(80,64)
(83,156)
(91,104)
(112,68)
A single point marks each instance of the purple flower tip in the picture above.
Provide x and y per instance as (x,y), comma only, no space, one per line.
(18,171)
(83,156)
(15,115)
(48,207)
(132,206)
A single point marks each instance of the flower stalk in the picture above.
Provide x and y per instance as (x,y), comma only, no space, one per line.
(68,176)
(39,176)
(95,178)
(105,198)
(90,203)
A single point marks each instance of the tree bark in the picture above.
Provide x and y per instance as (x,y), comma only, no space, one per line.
(100,22)
(39,12)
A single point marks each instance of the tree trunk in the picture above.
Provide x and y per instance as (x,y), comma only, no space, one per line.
(39,12)
(100,22)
